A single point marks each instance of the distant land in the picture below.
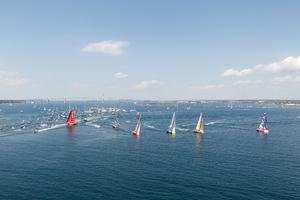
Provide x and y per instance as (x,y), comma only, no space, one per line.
(202,101)
(11,101)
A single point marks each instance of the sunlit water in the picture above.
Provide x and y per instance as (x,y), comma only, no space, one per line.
(229,161)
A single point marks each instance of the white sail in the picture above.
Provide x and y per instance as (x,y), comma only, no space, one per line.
(202,124)
(139,128)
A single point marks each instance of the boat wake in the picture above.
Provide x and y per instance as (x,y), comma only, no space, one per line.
(149,126)
(93,125)
(212,123)
(50,128)
(183,129)
(187,125)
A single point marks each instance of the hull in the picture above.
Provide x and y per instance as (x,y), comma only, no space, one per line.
(71,124)
(135,133)
(195,131)
(115,124)
(262,130)
(170,132)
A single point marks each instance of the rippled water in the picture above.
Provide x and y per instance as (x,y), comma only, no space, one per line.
(229,161)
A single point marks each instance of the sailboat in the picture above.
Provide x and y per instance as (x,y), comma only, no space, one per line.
(262,128)
(116,123)
(172,126)
(137,129)
(71,121)
(200,125)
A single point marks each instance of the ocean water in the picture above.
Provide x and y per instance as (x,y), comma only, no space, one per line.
(93,161)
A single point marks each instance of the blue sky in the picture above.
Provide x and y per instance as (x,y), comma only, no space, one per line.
(150,49)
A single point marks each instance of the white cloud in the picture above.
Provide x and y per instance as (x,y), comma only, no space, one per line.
(233,72)
(146,84)
(11,79)
(208,87)
(247,82)
(280,79)
(289,64)
(120,75)
(115,48)
(286,78)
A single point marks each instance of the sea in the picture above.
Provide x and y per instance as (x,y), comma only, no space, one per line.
(94,161)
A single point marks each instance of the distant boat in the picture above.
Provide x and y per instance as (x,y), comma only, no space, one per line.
(200,125)
(172,126)
(116,123)
(23,124)
(137,129)
(71,121)
(230,105)
(262,128)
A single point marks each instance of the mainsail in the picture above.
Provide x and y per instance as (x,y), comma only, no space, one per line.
(172,126)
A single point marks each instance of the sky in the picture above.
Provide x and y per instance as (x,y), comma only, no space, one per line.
(156,50)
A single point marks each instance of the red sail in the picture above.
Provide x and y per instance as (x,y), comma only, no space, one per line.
(71,121)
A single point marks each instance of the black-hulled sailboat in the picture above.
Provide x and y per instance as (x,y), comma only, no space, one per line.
(172,126)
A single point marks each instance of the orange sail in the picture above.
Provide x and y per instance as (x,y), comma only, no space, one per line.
(71,121)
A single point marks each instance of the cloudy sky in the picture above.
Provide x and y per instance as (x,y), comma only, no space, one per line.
(150,50)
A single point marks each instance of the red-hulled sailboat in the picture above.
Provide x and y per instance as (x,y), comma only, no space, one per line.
(71,121)
(262,128)
(137,129)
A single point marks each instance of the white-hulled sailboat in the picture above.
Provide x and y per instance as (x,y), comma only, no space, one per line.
(200,125)
(172,127)
(137,129)
(262,128)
